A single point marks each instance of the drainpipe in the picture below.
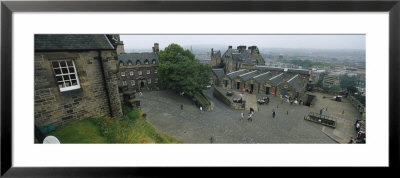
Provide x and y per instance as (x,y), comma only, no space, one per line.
(105,82)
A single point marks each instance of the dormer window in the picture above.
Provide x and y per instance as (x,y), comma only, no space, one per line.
(154,61)
(121,63)
(129,63)
(146,62)
(137,62)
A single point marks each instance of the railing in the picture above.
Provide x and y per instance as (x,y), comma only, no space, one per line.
(326,120)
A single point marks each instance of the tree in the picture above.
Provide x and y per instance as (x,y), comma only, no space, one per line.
(180,71)
(348,82)
(335,89)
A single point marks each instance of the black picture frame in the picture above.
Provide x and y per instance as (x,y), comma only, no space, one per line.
(8,7)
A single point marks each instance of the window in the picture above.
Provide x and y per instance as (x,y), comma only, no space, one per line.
(121,63)
(131,72)
(155,71)
(149,80)
(123,83)
(154,61)
(137,62)
(146,61)
(156,80)
(140,72)
(129,63)
(133,82)
(122,73)
(148,71)
(66,76)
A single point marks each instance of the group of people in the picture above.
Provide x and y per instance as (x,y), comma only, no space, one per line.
(249,115)
(360,135)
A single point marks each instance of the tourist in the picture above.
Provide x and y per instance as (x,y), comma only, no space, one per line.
(201,109)
(242,116)
(251,110)
(249,117)
(287,112)
(273,113)
(295,101)
(181,106)
(358,126)
(343,112)
(321,112)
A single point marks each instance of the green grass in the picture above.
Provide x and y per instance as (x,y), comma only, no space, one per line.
(131,128)
(80,131)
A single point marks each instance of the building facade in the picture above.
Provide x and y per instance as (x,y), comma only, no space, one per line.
(138,71)
(236,59)
(76,77)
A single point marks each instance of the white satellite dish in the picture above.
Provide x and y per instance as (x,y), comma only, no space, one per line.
(51,140)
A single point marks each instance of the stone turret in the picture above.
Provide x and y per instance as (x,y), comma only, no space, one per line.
(156,48)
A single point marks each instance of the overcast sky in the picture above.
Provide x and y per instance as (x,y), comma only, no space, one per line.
(262,41)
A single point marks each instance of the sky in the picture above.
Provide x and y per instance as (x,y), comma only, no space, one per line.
(262,41)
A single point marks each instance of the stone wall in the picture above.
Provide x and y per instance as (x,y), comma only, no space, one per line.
(221,96)
(93,98)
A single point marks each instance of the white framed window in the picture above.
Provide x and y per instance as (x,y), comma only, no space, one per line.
(133,82)
(140,72)
(149,80)
(123,74)
(154,61)
(156,80)
(148,71)
(131,72)
(146,61)
(155,71)
(123,83)
(66,76)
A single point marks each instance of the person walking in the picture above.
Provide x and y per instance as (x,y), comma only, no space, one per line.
(201,109)
(273,113)
(251,117)
(181,106)
(242,116)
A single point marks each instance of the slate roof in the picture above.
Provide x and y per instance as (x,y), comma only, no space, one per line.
(268,68)
(134,57)
(219,72)
(278,79)
(232,75)
(262,78)
(299,71)
(72,42)
(248,75)
(296,83)
(241,56)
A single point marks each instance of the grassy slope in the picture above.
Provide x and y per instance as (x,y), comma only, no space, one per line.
(81,131)
(131,128)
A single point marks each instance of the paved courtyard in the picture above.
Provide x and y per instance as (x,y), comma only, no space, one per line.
(223,124)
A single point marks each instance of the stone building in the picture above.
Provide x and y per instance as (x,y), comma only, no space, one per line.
(76,77)
(138,71)
(292,88)
(266,80)
(236,59)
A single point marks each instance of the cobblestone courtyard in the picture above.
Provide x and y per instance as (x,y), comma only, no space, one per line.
(224,125)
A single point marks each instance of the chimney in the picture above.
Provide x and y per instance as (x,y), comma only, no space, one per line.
(229,47)
(156,48)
